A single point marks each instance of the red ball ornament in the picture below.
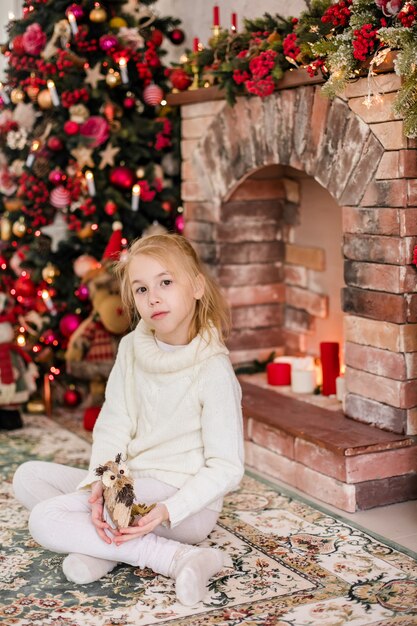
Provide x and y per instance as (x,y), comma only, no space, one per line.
(157,37)
(69,323)
(110,207)
(55,144)
(122,177)
(167,206)
(24,286)
(152,95)
(71,127)
(56,177)
(108,43)
(72,397)
(17,45)
(129,102)
(50,337)
(176,36)
(180,79)
(82,293)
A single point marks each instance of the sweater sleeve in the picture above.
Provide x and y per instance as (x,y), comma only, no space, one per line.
(114,427)
(222,437)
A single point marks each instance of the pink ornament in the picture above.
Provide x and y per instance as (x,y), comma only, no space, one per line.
(50,337)
(152,95)
(179,224)
(108,43)
(76,10)
(129,102)
(122,177)
(69,323)
(60,197)
(34,39)
(56,177)
(82,293)
(85,263)
(55,144)
(71,127)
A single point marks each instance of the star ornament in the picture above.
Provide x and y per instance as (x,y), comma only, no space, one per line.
(107,156)
(57,231)
(94,75)
(83,156)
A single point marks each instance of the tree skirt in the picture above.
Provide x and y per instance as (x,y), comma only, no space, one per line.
(288,563)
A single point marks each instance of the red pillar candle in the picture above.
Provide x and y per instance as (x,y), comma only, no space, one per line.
(234,22)
(278,373)
(195,44)
(330,366)
(216,16)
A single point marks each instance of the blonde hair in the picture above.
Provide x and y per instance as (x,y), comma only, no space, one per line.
(211,310)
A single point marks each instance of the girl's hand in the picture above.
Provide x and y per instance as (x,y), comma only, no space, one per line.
(97,506)
(144,525)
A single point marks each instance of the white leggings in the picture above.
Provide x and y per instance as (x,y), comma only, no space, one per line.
(60,518)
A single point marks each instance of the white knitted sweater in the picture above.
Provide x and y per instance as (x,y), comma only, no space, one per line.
(176,416)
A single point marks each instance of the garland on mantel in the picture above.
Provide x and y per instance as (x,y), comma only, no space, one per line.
(341,41)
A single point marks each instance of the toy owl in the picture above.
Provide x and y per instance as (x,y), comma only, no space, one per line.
(119,494)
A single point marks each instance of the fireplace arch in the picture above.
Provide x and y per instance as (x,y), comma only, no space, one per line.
(361,158)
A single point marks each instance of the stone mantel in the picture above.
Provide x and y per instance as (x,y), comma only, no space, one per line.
(292,78)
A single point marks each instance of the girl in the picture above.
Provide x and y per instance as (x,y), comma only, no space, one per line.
(173,410)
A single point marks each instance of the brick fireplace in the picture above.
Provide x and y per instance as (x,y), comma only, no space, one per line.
(249,175)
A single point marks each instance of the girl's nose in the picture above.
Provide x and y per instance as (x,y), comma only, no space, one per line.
(153,297)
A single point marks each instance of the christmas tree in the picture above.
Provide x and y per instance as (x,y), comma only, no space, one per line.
(87,156)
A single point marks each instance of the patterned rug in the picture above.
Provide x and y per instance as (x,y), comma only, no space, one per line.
(289,564)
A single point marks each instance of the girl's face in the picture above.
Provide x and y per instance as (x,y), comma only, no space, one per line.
(166,303)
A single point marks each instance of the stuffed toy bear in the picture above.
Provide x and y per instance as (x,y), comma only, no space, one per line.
(17,373)
(93,346)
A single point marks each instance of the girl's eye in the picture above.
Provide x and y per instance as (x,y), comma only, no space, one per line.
(141,290)
(167,281)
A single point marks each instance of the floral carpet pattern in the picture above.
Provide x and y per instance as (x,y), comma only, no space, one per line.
(288,564)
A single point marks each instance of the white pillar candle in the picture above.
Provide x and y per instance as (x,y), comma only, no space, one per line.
(123,70)
(89,176)
(31,156)
(48,301)
(340,388)
(73,23)
(135,197)
(303,381)
(53,92)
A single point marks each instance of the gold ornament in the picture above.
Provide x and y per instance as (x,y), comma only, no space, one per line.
(5,227)
(44,99)
(12,204)
(86,232)
(17,95)
(117,22)
(98,14)
(19,227)
(113,78)
(50,272)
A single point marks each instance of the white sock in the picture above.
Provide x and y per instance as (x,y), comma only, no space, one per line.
(192,571)
(83,569)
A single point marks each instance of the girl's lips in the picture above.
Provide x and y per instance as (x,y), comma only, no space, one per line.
(158,316)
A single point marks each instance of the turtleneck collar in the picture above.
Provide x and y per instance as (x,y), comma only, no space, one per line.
(151,358)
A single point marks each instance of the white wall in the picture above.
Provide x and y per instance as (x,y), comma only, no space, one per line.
(6,7)
(197,15)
